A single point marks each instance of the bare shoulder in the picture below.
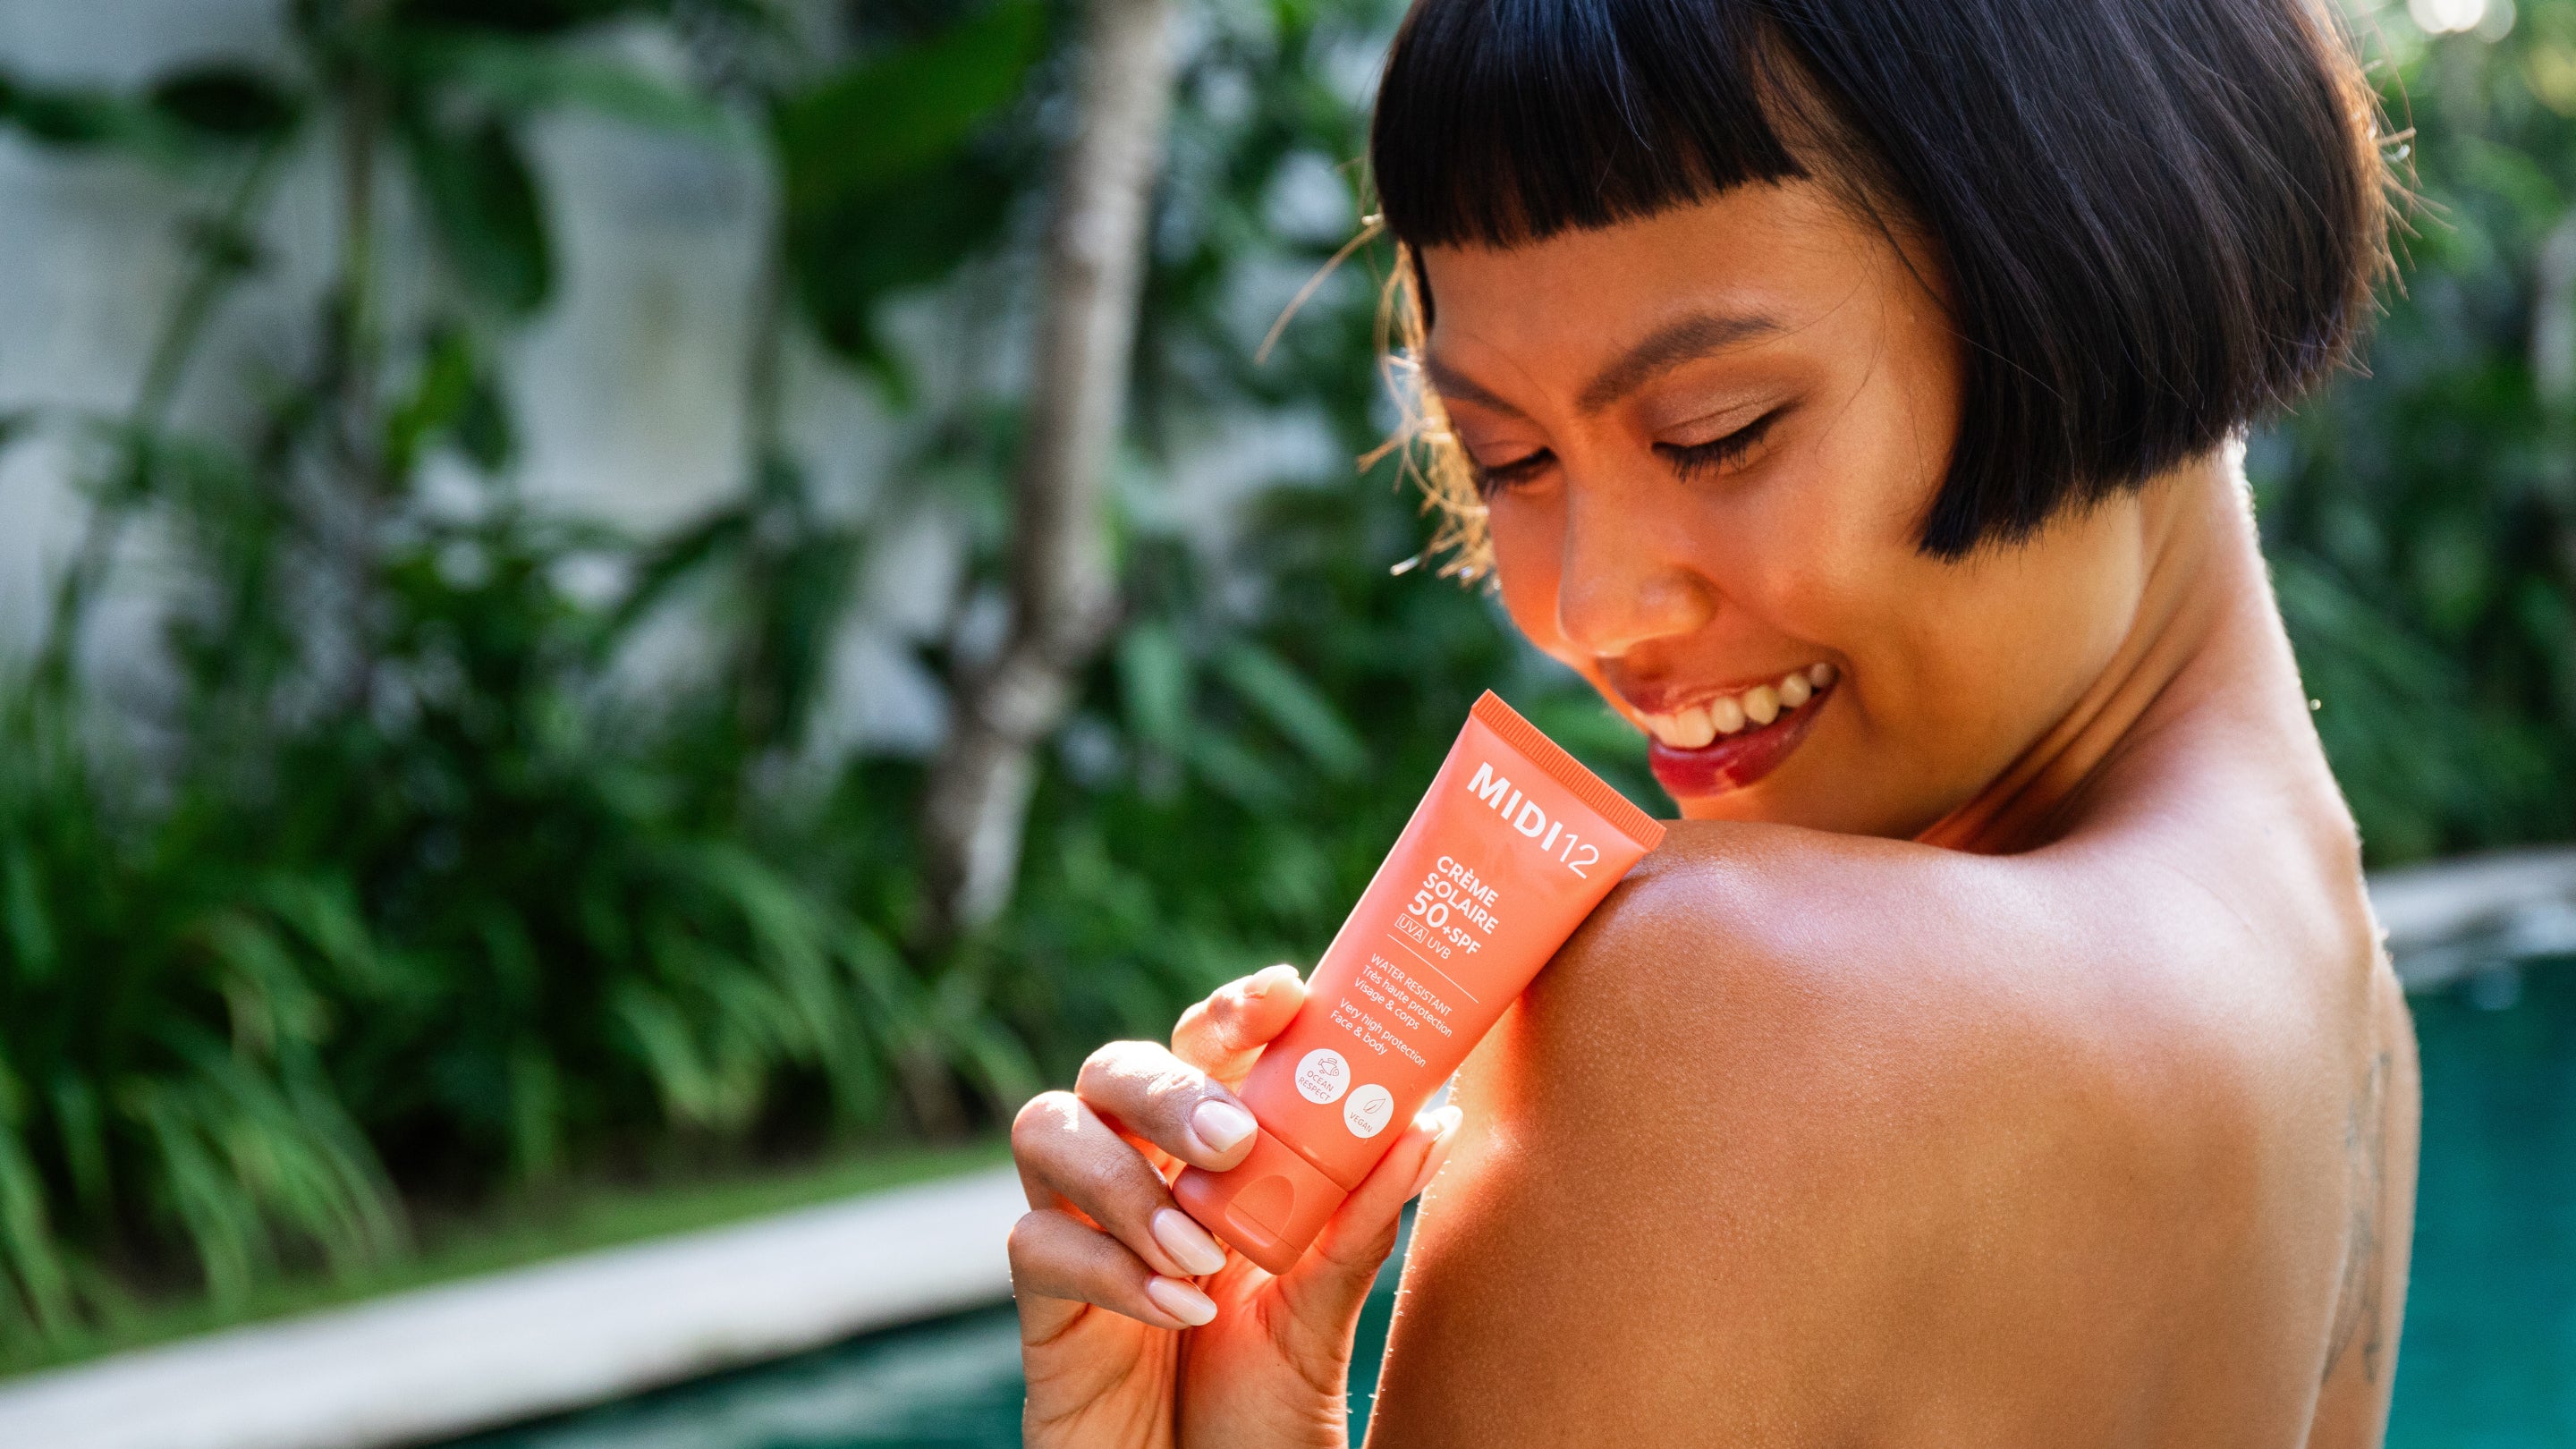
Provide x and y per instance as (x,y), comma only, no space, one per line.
(1890,1140)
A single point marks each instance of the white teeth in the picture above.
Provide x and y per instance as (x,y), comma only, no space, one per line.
(1694,727)
(1683,729)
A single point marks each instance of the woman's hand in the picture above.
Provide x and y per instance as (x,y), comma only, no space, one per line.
(1136,1327)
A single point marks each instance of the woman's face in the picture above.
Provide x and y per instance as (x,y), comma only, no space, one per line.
(1709,441)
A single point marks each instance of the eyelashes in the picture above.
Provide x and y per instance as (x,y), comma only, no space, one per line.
(1503,477)
(1689,461)
(1697,460)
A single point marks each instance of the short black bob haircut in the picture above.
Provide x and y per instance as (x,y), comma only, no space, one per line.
(2156,220)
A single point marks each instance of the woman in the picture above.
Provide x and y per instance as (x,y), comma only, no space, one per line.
(2000,1051)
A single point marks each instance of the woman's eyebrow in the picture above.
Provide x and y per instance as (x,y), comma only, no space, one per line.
(1455,386)
(1686,339)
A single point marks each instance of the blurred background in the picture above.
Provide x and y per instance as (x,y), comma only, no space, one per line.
(503,501)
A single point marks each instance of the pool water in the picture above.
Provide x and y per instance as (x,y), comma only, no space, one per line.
(2488,1360)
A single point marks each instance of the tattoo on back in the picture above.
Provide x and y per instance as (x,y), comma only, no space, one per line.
(2358,1314)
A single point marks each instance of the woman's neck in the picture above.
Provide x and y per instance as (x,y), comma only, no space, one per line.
(2203,578)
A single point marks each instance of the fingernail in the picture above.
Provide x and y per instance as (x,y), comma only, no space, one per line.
(1271,978)
(1221,1125)
(1180,1300)
(1187,1242)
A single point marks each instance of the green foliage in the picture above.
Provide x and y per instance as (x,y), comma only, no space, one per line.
(897,115)
(883,189)
(226,103)
(166,1014)
(2421,516)
(409,896)
(483,199)
(520,77)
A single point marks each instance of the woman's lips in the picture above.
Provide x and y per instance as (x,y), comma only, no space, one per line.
(1731,762)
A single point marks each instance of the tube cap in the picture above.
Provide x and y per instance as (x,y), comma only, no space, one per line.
(1269,1207)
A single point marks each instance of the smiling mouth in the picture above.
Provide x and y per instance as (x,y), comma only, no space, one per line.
(1731,740)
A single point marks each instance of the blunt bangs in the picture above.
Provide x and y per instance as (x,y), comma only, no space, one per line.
(1508,121)
(2157,221)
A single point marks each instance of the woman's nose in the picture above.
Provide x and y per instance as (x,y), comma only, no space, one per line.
(1622,579)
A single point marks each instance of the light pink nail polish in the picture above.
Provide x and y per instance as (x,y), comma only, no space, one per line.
(1187,1242)
(1181,1300)
(1221,1125)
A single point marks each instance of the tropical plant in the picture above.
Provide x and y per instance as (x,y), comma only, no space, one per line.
(397,890)
(2421,515)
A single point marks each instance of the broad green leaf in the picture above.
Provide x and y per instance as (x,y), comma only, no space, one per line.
(1154,679)
(912,232)
(1293,706)
(893,116)
(883,193)
(523,75)
(483,199)
(658,1034)
(27,1243)
(82,1129)
(536,1113)
(221,1221)
(502,932)
(270,999)
(227,103)
(80,116)
(1224,765)
(28,917)
(999,1062)
(454,400)
(325,912)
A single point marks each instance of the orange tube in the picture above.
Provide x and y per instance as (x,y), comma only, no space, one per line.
(1513,846)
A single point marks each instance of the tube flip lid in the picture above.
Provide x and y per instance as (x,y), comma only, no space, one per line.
(1270,1206)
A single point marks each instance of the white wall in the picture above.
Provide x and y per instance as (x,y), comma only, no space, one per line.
(627,389)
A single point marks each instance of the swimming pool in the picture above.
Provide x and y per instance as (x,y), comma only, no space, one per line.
(2488,1360)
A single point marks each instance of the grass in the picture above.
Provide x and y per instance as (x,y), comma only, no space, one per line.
(532,1229)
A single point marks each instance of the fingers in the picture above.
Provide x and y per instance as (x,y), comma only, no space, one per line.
(1324,1291)
(1223,1034)
(1055,1256)
(1353,1235)
(1154,1095)
(1069,1158)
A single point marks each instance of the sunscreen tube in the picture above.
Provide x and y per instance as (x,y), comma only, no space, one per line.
(1513,846)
